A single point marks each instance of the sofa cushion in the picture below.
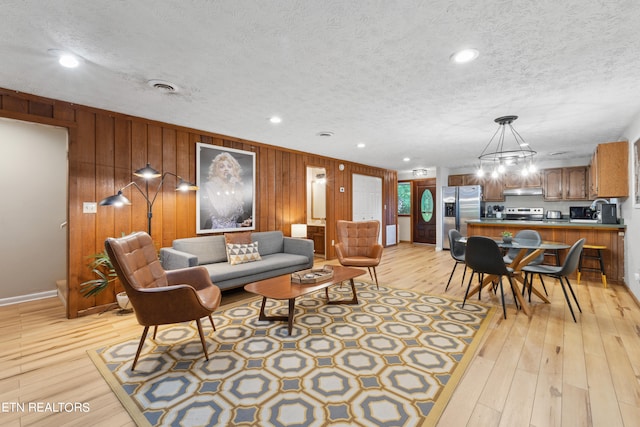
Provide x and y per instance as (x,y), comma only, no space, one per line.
(240,253)
(239,237)
(208,249)
(271,242)
(222,271)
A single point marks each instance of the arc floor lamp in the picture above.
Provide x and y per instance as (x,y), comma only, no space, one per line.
(147,173)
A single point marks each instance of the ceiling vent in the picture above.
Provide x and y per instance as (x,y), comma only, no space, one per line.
(163,86)
(325,133)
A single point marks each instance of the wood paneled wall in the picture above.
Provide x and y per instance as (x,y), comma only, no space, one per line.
(106,147)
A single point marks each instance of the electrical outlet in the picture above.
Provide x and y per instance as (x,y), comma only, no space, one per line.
(333,243)
(637,276)
(89,207)
(342,189)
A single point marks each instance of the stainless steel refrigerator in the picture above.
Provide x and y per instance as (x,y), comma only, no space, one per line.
(459,204)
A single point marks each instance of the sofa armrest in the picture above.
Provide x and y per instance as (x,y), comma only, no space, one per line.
(299,247)
(172,259)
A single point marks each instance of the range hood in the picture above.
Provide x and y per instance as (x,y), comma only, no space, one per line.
(528,191)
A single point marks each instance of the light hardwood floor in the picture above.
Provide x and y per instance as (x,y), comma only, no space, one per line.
(542,371)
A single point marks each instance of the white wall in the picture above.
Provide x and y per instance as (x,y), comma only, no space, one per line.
(33,185)
(631,217)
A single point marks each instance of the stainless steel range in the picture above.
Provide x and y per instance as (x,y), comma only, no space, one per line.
(524,214)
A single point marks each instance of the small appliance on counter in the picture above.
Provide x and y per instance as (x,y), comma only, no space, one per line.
(553,215)
(581,212)
(608,214)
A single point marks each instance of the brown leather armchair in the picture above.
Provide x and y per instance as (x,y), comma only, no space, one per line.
(358,245)
(161,297)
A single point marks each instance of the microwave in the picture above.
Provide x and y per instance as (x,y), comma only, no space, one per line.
(580,212)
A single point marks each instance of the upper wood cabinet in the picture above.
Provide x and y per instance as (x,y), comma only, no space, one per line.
(552,184)
(515,179)
(456,180)
(565,183)
(609,172)
(576,183)
(491,188)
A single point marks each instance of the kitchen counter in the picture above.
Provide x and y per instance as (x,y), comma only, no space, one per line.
(609,235)
(545,223)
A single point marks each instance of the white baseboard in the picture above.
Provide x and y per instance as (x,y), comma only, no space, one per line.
(30,297)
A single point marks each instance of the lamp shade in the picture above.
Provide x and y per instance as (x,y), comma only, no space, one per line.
(186,186)
(299,230)
(147,172)
(115,200)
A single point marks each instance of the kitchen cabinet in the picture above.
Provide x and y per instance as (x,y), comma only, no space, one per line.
(552,184)
(515,179)
(492,188)
(609,170)
(316,233)
(565,183)
(456,180)
(576,183)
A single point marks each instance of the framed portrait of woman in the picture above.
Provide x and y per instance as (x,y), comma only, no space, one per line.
(226,198)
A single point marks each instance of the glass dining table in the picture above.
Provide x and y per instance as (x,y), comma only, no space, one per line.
(529,250)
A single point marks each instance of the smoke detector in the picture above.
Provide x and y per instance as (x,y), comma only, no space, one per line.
(163,86)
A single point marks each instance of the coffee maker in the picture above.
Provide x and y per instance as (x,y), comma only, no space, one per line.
(608,213)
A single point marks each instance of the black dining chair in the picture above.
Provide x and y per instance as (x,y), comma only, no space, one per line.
(560,272)
(512,253)
(457,251)
(483,256)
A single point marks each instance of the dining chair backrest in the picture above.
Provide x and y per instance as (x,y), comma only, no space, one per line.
(572,259)
(483,255)
(457,249)
(529,235)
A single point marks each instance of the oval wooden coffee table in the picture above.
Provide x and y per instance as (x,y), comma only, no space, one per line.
(282,288)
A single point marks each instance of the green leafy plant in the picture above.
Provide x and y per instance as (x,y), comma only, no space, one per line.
(507,234)
(103,270)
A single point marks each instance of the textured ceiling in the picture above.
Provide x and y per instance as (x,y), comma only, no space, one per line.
(373,72)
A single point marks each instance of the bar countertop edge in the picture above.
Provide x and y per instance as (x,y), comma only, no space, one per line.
(545,223)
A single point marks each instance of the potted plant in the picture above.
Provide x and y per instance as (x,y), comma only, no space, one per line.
(105,273)
(507,236)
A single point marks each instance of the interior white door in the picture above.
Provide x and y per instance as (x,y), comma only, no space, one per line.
(367,199)
(33,166)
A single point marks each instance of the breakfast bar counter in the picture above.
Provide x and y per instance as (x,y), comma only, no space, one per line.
(609,235)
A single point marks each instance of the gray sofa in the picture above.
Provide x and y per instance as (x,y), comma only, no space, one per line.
(280,255)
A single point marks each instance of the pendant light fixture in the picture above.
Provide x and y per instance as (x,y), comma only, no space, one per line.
(519,154)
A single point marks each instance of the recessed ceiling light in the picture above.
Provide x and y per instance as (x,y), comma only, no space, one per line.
(65,59)
(325,133)
(406,159)
(361,145)
(465,55)
(275,119)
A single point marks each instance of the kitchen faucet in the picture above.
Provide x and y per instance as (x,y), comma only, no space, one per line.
(595,202)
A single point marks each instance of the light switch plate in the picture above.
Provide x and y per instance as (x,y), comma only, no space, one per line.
(89,207)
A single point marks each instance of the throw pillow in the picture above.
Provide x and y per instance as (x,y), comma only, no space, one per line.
(241,237)
(239,253)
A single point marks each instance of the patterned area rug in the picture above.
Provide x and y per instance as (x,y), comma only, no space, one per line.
(391,360)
